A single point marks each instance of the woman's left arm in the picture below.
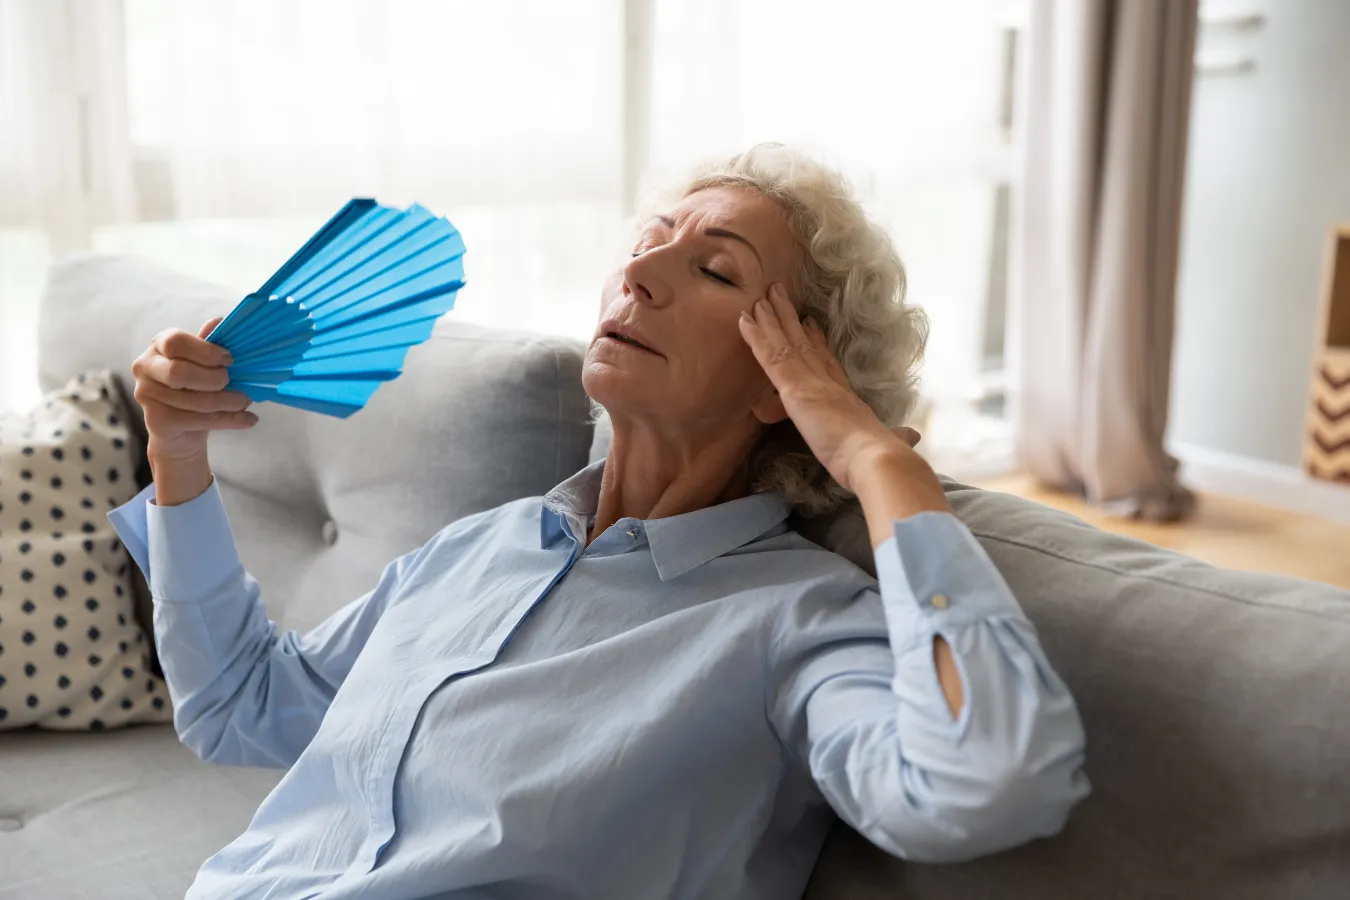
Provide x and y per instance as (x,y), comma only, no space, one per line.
(958,739)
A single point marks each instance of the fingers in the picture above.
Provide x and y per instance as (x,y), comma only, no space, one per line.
(780,361)
(821,345)
(180,385)
(785,340)
(176,343)
(166,420)
(786,313)
(150,392)
(180,374)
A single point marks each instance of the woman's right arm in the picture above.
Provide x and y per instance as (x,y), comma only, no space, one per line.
(243,693)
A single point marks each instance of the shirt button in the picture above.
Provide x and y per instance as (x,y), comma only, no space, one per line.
(940,601)
(632,533)
(329,532)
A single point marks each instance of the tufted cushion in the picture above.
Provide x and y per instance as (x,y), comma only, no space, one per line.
(72,655)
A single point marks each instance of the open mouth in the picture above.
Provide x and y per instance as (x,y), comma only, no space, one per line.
(624,339)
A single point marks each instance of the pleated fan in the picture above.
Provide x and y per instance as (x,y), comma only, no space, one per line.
(337,320)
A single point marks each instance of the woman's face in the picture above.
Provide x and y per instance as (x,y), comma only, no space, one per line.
(668,346)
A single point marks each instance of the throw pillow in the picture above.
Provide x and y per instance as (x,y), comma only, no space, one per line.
(72,655)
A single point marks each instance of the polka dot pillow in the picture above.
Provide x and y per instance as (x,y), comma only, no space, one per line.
(72,656)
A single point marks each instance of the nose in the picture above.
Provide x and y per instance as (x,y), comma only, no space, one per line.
(644,279)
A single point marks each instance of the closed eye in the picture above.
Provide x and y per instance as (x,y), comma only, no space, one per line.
(716,277)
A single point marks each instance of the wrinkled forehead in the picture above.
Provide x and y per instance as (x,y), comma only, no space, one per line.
(727,205)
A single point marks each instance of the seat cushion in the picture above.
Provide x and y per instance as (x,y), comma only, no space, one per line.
(120,815)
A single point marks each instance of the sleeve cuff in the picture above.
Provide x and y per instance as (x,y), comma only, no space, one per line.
(128,520)
(933,573)
(185,551)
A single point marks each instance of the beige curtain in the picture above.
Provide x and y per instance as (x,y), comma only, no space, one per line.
(1108,107)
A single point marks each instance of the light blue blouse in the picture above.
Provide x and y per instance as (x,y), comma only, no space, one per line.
(676,711)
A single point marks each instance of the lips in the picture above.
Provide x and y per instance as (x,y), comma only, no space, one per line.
(629,336)
(614,336)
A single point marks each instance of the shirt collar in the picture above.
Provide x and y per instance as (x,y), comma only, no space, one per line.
(678,544)
(578,496)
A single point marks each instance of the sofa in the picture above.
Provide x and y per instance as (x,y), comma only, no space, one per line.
(1216,703)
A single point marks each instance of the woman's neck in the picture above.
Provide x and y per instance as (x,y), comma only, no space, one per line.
(648,475)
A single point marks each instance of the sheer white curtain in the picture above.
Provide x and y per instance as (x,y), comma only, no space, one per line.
(214,137)
(65,165)
(267,108)
(61,97)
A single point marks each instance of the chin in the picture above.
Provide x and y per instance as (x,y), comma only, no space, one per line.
(617,389)
(607,384)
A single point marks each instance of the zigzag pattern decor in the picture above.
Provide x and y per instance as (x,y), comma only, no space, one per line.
(1326,449)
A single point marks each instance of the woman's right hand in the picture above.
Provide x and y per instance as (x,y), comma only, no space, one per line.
(180,383)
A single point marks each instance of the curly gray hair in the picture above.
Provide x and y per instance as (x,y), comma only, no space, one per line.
(851,280)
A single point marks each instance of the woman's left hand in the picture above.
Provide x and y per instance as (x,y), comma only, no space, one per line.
(841,430)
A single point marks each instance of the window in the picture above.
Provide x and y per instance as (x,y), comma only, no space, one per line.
(216,137)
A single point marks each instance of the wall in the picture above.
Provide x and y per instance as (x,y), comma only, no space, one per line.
(1269,172)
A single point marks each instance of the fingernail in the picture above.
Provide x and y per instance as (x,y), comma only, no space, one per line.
(227,360)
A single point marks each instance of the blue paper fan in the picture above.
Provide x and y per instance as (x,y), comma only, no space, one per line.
(336,321)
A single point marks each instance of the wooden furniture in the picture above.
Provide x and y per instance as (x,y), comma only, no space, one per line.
(1326,449)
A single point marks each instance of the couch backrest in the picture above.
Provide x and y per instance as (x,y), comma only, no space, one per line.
(1215,701)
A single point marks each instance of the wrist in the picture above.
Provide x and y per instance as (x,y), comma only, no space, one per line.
(885,461)
(894,483)
(179,479)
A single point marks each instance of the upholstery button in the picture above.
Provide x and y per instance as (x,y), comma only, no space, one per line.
(940,601)
(330,532)
(10,824)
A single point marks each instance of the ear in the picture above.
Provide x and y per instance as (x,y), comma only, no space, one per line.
(769,407)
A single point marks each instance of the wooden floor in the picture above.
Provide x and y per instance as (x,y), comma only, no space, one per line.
(1223,532)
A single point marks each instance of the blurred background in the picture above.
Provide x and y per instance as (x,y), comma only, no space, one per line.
(215,137)
(1120,216)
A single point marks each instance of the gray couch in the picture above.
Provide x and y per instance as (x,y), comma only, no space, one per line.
(1216,703)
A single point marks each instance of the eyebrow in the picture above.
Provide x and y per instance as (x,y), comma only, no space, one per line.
(722,233)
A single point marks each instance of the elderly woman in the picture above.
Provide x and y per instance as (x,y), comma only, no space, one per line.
(643,684)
